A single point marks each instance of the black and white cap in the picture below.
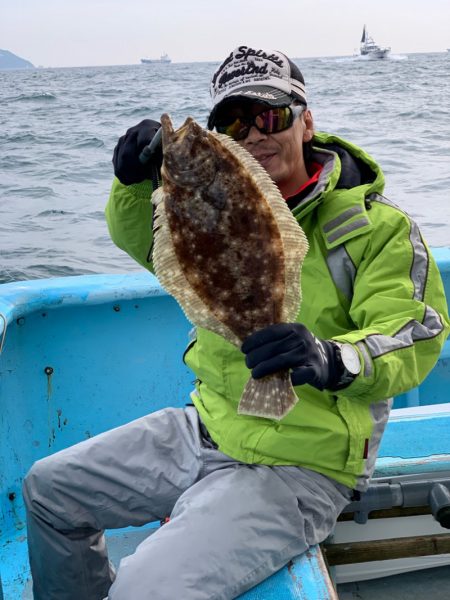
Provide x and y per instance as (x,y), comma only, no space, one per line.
(266,76)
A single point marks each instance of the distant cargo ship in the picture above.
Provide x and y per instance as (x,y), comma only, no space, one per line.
(164,58)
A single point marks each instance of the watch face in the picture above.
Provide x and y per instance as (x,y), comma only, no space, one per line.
(350,358)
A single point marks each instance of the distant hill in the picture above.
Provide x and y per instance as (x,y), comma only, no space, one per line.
(8,60)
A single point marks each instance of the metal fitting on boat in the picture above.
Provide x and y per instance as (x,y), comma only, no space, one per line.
(440,504)
(386,495)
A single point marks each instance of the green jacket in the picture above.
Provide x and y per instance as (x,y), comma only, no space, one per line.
(368,279)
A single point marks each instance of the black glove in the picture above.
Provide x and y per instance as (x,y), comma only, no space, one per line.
(127,166)
(293,346)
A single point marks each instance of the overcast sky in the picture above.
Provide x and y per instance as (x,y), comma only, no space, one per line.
(115,32)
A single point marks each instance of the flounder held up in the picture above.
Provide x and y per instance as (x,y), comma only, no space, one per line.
(227,247)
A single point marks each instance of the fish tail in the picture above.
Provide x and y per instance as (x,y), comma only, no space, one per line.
(271,397)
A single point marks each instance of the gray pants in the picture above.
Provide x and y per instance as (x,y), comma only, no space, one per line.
(231,524)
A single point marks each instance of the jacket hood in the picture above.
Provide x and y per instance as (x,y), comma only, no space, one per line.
(345,166)
(357,167)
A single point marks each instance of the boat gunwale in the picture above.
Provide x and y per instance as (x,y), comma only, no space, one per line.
(21,298)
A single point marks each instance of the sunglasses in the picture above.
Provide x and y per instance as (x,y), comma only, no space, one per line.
(272,120)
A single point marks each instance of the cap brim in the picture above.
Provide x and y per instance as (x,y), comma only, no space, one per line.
(258,93)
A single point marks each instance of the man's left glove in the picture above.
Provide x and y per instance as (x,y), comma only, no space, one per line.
(127,166)
(293,346)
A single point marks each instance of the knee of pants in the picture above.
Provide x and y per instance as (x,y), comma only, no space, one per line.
(37,483)
(44,497)
(138,581)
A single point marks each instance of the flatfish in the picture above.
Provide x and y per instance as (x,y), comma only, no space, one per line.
(227,247)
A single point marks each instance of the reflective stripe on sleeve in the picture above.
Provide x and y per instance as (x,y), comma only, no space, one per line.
(419,269)
(367,366)
(412,332)
(342,270)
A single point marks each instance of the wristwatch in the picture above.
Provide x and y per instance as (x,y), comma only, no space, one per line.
(351,362)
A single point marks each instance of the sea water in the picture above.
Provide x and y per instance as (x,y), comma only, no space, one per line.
(58,129)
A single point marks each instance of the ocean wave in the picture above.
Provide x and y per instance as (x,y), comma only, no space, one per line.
(142,111)
(22,251)
(13,162)
(27,225)
(97,215)
(433,224)
(32,191)
(17,138)
(79,175)
(41,271)
(54,212)
(110,93)
(89,142)
(33,97)
(26,137)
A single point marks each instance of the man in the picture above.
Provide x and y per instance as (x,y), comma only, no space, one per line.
(246,494)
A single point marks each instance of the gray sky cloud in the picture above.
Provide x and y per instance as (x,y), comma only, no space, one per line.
(112,32)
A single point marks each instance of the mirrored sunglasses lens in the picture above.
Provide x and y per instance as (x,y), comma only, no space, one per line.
(274,120)
(267,121)
(237,129)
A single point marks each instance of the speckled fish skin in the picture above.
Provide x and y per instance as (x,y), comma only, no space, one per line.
(227,247)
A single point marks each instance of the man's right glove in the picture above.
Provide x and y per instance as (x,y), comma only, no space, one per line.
(127,166)
(292,346)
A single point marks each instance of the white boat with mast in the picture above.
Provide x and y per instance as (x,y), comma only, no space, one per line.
(370,49)
(163,59)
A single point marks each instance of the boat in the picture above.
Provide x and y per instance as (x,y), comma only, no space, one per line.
(163,59)
(370,49)
(71,350)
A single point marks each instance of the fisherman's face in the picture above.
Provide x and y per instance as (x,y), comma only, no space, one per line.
(281,154)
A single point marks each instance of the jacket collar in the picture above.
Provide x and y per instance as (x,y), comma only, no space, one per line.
(348,176)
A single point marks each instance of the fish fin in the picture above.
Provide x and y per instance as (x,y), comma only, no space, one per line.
(271,397)
(173,280)
(295,245)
